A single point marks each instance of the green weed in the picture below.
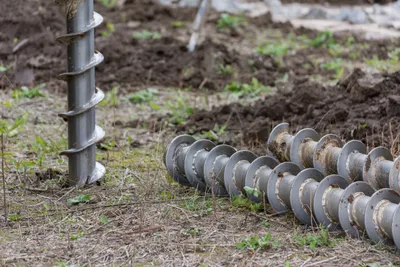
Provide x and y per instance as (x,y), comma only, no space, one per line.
(313,241)
(25,92)
(191,231)
(110,28)
(3,68)
(143,96)
(146,35)
(111,98)
(252,191)
(76,236)
(202,206)
(258,242)
(224,70)
(227,21)
(104,220)
(13,129)
(179,109)
(389,65)
(108,145)
(243,202)
(324,39)
(178,24)
(215,133)
(278,49)
(14,217)
(266,224)
(335,65)
(79,199)
(254,89)
(108,3)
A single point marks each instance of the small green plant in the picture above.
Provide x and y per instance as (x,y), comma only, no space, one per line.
(191,231)
(146,35)
(252,191)
(313,241)
(179,108)
(390,65)
(241,201)
(257,242)
(324,39)
(108,145)
(108,3)
(79,199)
(104,220)
(279,49)
(224,70)
(178,24)
(143,96)
(13,129)
(266,224)
(25,92)
(3,68)
(14,217)
(335,65)
(354,55)
(335,50)
(110,28)
(76,236)
(111,98)
(227,21)
(254,89)
(201,205)
(215,133)
(61,264)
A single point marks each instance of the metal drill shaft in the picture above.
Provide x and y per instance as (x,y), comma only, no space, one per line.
(328,155)
(83,96)
(329,201)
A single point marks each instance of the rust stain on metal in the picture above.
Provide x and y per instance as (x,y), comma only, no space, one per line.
(279,146)
(70,6)
(350,199)
(306,151)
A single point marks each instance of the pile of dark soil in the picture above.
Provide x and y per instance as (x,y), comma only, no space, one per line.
(28,47)
(361,106)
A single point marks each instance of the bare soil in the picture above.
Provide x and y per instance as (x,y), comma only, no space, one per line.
(361,106)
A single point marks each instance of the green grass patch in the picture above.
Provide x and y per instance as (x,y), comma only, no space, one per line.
(315,240)
(335,65)
(273,49)
(143,96)
(147,35)
(258,243)
(254,89)
(228,21)
(26,92)
(178,24)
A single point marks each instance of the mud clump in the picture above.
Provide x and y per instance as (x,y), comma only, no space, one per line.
(361,106)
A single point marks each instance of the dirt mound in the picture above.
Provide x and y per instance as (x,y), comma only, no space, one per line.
(361,106)
(29,49)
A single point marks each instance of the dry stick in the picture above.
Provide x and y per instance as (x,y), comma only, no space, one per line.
(4,178)
(320,262)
